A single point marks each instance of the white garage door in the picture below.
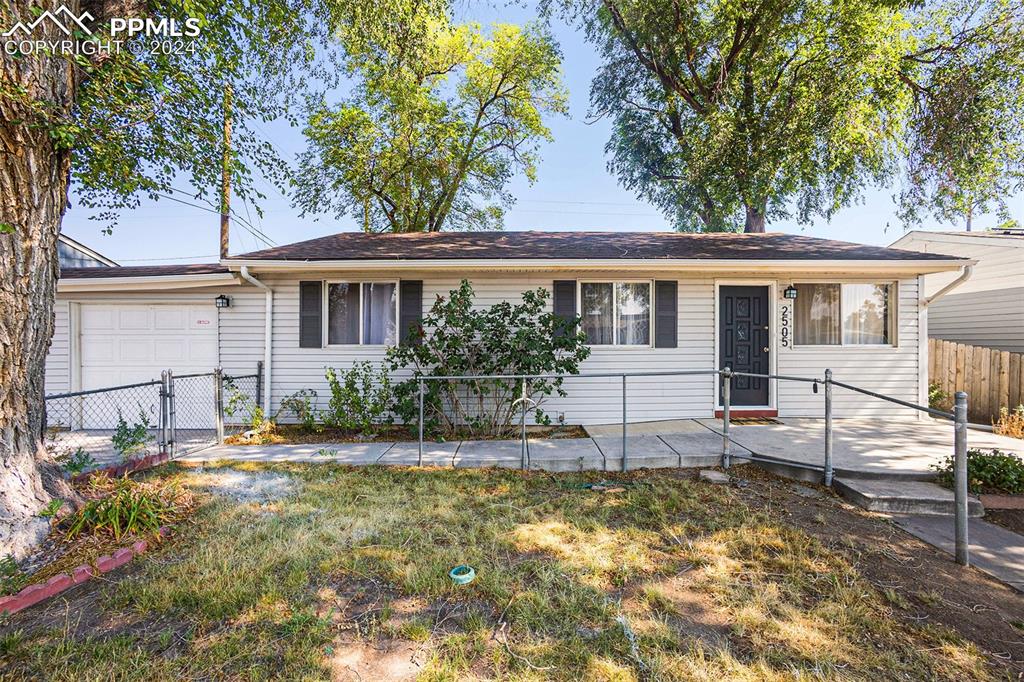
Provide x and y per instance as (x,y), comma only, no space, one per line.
(127,344)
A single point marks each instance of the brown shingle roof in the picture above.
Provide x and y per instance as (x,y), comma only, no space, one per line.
(578,245)
(143,271)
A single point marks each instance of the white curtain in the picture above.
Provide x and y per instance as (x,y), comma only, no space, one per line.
(817,314)
(597,312)
(379,323)
(343,313)
(866,314)
(634,313)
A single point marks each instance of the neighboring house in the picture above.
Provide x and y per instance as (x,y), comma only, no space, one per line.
(74,254)
(649,302)
(988,308)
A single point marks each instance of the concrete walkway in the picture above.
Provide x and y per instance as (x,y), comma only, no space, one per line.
(861,448)
(993,549)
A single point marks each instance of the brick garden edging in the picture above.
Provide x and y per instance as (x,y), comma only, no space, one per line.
(33,594)
(130,467)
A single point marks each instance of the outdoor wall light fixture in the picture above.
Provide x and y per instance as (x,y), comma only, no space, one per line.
(222,301)
(790,292)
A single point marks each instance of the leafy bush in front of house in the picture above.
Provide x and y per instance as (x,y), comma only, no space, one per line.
(458,338)
(1010,422)
(239,403)
(361,398)
(988,471)
(301,405)
(939,399)
(130,439)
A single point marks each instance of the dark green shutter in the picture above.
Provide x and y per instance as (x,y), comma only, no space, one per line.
(563,303)
(666,311)
(410,311)
(311,306)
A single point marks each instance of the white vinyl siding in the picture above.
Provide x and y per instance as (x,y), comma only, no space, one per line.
(986,310)
(58,359)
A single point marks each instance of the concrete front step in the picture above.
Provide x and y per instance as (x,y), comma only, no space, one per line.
(903,497)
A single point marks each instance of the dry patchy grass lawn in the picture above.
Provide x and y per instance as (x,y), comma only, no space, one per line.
(346,577)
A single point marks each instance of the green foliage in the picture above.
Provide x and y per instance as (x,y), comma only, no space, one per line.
(459,338)
(51,510)
(242,404)
(12,578)
(729,113)
(991,471)
(301,405)
(78,462)
(937,398)
(126,507)
(441,118)
(131,439)
(360,399)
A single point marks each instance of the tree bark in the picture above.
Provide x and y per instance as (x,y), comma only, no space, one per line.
(755,220)
(34,175)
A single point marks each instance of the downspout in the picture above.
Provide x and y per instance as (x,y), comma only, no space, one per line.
(268,317)
(965,274)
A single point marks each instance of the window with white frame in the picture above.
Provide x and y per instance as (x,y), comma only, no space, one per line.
(854,314)
(616,313)
(362,313)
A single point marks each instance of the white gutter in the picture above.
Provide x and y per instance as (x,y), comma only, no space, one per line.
(113,282)
(965,274)
(268,316)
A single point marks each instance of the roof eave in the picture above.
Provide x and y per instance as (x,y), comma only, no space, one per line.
(925,266)
(76,284)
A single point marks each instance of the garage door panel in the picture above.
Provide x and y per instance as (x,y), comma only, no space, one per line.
(128,344)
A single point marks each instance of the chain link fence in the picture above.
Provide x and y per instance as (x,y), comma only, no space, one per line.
(173,414)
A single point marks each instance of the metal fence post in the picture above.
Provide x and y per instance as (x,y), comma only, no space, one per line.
(172,435)
(828,428)
(419,458)
(726,388)
(624,464)
(960,477)
(218,403)
(164,412)
(259,383)
(523,464)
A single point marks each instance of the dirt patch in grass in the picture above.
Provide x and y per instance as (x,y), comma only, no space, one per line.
(243,486)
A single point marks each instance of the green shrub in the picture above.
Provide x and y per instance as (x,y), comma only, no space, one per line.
(301,405)
(12,578)
(126,507)
(458,338)
(361,398)
(939,399)
(131,439)
(240,403)
(77,462)
(987,472)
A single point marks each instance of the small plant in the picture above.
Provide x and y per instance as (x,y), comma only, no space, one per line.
(131,439)
(51,510)
(1011,422)
(991,471)
(360,398)
(939,399)
(301,405)
(78,462)
(242,404)
(11,577)
(126,507)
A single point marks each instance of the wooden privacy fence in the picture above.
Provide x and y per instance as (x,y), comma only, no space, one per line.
(992,378)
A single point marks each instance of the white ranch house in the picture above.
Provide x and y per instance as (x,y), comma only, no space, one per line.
(649,302)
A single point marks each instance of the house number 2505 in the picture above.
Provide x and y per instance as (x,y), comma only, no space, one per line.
(784,327)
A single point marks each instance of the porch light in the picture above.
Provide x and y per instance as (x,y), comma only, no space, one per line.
(222,301)
(790,292)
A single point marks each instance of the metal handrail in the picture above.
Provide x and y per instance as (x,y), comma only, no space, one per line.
(930,410)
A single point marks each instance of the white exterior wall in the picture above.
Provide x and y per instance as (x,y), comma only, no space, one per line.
(986,310)
(239,328)
(891,370)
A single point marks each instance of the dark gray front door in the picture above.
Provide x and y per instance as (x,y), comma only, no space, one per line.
(743,341)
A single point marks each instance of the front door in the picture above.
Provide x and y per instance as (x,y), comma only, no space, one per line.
(743,335)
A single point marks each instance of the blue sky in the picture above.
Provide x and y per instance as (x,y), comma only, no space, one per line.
(573,191)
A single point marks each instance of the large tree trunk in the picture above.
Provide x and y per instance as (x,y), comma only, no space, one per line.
(755,220)
(33,195)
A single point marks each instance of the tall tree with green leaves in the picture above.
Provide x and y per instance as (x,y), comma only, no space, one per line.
(121,124)
(731,113)
(442,117)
